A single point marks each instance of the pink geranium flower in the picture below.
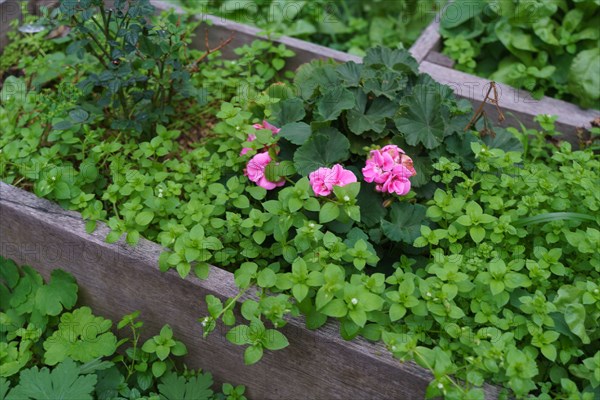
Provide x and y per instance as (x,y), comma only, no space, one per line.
(324,179)
(266,125)
(390,168)
(255,171)
(252,137)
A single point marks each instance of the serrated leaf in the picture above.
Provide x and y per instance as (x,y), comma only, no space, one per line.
(63,382)
(404,223)
(422,122)
(392,59)
(80,336)
(173,387)
(333,102)
(288,111)
(60,292)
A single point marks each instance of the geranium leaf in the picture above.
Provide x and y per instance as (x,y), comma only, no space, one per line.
(324,148)
(404,224)
(423,122)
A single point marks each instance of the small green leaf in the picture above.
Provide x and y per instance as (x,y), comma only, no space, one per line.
(335,308)
(329,212)
(239,335)
(253,354)
(158,368)
(274,340)
(144,218)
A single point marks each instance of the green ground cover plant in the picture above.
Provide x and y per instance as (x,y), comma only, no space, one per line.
(345,25)
(546,47)
(351,193)
(50,348)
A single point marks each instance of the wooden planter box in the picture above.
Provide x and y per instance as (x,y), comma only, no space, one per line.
(116,279)
(517,104)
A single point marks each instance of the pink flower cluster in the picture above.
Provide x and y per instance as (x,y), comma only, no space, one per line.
(324,179)
(255,169)
(390,168)
(252,136)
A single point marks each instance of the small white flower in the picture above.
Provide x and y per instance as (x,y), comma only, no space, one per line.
(53,178)
(440,385)
(311,225)
(354,301)
(346,198)
(428,294)
(394,348)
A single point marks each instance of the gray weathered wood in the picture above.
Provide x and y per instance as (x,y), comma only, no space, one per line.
(116,279)
(429,39)
(9,11)
(440,59)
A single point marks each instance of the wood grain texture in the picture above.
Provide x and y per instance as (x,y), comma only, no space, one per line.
(116,279)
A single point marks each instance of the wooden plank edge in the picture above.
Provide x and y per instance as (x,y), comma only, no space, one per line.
(427,42)
(317,363)
(517,105)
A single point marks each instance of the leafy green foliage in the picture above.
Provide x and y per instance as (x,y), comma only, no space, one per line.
(547,48)
(517,286)
(383,100)
(491,253)
(80,336)
(143,65)
(344,25)
(82,358)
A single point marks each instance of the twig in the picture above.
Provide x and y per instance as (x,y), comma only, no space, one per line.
(194,66)
(481,112)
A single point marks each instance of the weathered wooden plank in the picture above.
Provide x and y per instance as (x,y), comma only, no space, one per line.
(440,59)
(9,11)
(428,41)
(116,279)
(517,104)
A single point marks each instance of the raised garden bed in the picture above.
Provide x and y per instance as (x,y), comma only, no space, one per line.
(118,279)
(517,104)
